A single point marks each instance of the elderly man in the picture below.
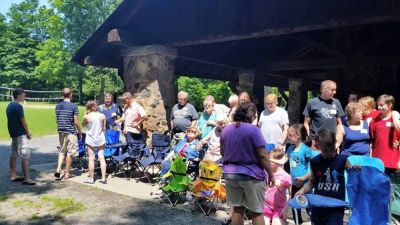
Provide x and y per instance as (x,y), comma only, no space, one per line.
(111,111)
(324,111)
(69,131)
(274,123)
(183,116)
(133,117)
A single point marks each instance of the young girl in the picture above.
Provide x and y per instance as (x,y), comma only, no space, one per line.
(95,138)
(275,197)
(299,156)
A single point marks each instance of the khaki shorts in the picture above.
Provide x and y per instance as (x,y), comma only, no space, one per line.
(247,193)
(68,143)
(19,147)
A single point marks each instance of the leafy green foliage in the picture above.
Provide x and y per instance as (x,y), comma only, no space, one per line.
(198,89)
(36,45)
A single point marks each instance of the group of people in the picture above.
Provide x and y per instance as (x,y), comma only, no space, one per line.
(251,146)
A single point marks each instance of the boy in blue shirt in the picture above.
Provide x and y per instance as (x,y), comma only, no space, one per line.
(327,179)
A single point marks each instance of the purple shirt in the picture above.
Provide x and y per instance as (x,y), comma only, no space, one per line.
(240,150)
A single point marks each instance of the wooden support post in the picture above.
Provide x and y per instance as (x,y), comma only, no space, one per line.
(295,94)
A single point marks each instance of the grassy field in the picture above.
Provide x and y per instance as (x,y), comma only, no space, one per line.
(40,118)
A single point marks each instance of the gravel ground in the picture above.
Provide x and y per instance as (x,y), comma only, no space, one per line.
(21,204)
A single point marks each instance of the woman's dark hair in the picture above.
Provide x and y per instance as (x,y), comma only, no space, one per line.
(246,112)
(301,130)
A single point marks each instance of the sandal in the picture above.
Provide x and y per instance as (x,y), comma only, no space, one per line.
(89,181)
(17,179)
(66,177)
(29,182)
(103,181)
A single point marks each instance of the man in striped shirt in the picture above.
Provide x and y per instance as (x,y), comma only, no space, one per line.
(69,131)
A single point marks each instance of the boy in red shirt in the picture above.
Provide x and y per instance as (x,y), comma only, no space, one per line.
(383,135)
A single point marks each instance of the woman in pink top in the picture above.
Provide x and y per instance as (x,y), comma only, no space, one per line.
(275,197)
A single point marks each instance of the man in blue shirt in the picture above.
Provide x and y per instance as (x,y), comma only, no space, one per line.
(111,111)
(69,131)
(19,133)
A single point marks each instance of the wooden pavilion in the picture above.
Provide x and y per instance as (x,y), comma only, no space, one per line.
(293,45)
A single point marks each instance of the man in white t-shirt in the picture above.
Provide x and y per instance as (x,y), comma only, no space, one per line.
(133,117)
(274,123)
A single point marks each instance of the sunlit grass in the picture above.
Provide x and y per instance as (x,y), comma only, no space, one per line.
(41,121)
(64,206)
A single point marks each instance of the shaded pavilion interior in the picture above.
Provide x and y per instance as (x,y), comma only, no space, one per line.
(292,45)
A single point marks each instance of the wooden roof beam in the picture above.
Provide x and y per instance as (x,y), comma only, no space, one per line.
(101,61)
(120,37)
(331,63)
(318,45)
(275,31)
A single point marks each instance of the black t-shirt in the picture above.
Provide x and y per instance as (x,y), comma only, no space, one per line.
(323,114)
(329,176)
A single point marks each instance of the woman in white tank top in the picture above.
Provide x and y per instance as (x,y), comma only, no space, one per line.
(95,138)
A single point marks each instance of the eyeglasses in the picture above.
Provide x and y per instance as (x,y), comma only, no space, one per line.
(270,103)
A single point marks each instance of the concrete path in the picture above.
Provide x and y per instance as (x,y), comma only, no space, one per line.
(30,205)
(134,202)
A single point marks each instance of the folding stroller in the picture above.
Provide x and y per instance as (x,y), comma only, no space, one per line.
(81,160)
(179,181)
(160,148)
(112,148)
(207,189)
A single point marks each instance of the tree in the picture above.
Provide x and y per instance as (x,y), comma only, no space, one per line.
(198,89)
(19,44)
(81,18)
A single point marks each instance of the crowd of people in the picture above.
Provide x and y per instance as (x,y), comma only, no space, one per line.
(252,147)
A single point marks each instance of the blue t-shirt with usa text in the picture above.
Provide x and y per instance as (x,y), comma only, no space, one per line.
(15,112)
(65,112)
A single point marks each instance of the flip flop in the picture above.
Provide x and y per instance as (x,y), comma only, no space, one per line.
(18,179)
(103,182)
(29,182)
(88,181)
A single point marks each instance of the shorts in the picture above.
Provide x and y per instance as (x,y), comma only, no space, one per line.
(19,147)
(273,213)
(68,143)
(247,193)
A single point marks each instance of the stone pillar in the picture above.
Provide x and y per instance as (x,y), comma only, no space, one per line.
(149,71)
(295,100)
(246,81)
(259,92)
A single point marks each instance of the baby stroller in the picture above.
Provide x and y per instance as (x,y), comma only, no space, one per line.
(112,148)
(207,189)
(80,161)
(179,181)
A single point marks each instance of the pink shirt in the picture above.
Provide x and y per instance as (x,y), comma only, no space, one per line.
(133,113)
(275,197)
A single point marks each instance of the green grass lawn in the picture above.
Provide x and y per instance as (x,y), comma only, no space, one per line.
(40,118)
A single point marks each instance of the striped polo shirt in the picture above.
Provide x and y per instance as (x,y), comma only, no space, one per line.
(65,112)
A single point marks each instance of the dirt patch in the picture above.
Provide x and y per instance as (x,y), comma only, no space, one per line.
(65,202)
